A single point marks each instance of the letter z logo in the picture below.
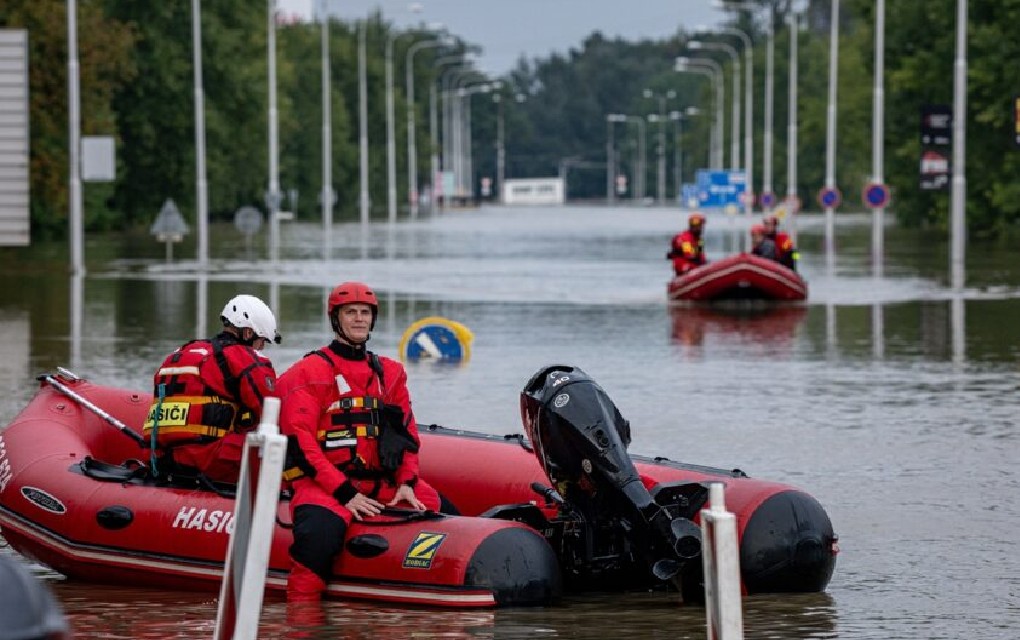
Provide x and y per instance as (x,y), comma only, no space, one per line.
(422,550)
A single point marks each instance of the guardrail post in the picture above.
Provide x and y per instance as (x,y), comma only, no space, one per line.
(721,562)
(247,561)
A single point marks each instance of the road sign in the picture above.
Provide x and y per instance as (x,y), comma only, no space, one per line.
(717,189)
(768,200)
(169,225)
(438,339)
(248,220)
(747,198)
(934,170)
(936,125)
(875,195)
(829,197)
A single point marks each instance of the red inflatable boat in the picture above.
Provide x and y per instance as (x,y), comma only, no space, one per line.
(74,495)
(739,277)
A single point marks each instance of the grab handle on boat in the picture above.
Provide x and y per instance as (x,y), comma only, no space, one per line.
(62,388)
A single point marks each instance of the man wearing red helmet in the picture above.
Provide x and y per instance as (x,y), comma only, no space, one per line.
(351,436)
(786,253)
(688,247)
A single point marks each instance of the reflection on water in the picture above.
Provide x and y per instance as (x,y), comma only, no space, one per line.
(888,396)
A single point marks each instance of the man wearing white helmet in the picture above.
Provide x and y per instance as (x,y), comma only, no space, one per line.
(208,394)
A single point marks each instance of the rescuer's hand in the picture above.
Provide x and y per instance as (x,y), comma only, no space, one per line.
(362,506)
(406,494)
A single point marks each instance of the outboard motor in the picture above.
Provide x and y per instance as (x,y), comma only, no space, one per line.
(581,440)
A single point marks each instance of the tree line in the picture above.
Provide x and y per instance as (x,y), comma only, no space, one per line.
(136,78)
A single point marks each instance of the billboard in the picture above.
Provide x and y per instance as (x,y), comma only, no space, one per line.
(14,218)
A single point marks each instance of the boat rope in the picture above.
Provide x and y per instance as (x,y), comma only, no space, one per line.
(126,430)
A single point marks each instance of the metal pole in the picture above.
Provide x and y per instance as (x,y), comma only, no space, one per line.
(660,177)
(770,49)
(610,170)
(959,197)
(391,145)
(500,148)
(363,121)
(878,139)
(412,151)
(274,166)
(791,131)
(327,145)
(201,187)
(74,142)
(433,147)
(830,130)
(641,155)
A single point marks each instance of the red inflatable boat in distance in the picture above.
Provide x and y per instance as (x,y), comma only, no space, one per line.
(738,277)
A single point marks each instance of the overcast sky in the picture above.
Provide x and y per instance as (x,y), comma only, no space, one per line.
(507,29)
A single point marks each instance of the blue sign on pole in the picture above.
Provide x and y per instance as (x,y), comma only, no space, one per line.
(876,195)
(829,197)
(768,199)
(720,189)
(689,196)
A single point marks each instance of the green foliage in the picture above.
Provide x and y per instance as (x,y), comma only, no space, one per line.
(137,84)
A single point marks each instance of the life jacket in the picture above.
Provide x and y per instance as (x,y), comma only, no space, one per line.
(187,409)
(357,415)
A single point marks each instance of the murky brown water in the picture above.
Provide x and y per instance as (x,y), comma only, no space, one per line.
(892,400)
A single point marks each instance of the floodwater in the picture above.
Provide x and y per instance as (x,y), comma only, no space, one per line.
(890,398)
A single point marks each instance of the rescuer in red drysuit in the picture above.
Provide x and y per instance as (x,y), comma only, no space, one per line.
(688,247)
(786,253)
(208,395)
(352,439)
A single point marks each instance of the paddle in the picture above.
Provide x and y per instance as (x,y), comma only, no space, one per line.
(59,386)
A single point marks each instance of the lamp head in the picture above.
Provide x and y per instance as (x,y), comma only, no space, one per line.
(695,44)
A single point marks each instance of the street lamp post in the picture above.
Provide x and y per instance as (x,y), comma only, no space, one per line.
(791,130)
(201,185)
(639,166)
(363,123)
(732,52)
(327,144)
(748,109)
(273,197)
(611,119)
(412,151)
(878,138)
(661,152)
(959,196)
(435,179)
(830,132)
(710,68)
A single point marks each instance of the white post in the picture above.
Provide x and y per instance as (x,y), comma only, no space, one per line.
(363,122)
(721,563)
(830,129)
(74,142)
(412,148)
(878,138)
(201,186)
(327,145)
(791,131)
(770,50)
(247,561)
(274,165)
(959,197)
(391,145)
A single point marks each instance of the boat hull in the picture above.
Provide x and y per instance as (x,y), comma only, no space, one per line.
(739,277)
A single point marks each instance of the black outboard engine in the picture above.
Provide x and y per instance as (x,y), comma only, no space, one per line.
(581,440)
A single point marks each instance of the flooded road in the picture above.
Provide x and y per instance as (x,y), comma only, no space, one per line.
(892,399)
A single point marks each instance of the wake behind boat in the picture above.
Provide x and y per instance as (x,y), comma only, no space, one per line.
(75,495)
(738,277)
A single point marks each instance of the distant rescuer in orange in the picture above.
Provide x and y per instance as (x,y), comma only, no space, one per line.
(688,246)
(786,253)
(208,394)
(352,439)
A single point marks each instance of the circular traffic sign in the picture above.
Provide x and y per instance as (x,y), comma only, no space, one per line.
(875,195)
(768,199)
(747,197)
(829,197)
(436,338)
(248,220)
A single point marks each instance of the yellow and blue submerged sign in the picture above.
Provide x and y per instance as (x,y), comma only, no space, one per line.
(423,550)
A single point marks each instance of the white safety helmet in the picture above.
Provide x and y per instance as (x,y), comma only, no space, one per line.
(248,311)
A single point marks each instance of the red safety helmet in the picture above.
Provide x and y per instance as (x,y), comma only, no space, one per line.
(695,220)
(351,293)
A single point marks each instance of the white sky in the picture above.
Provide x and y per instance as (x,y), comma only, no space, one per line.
(506,29)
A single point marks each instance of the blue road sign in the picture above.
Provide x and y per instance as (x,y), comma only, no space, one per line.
(720,189)
(768,200)
(829,197)
(876,195)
